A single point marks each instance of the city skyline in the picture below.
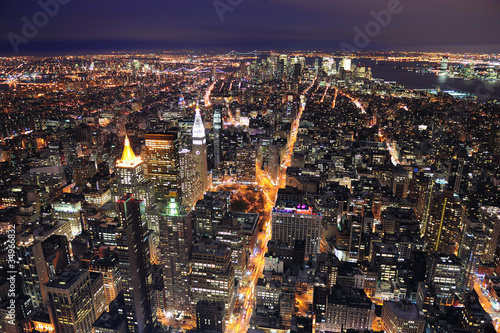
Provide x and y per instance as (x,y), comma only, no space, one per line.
(239,166)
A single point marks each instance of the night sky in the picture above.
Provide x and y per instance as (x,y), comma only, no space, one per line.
(86,26)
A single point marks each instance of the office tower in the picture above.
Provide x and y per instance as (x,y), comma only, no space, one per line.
(471,253)
(210,211)
(175,243)
(212,274)
(494,138)
(356,244)
(46,176)
(421,188)
(133,257)
(98,293)
(400,182)
(287,302)
(243,69)
(348,309)
(345,63)
(291,224)
(283,57)
(102,230)
(237,232)
(186,133)
(402,317)
(110,322)
(12,318)
(189,180)
(456,169)
(217,133)
(162,162)
(443,66)
(328,65)
(268,294)
(131,178)
(443,224)
(70,210)
(108,266)
(69,301)
(200,149)
(490,219)
(281,68)
(39,262)
(210,316)
(245,164)
(83,169)
(474,318)
(443,273)
(297,71)
(320,296)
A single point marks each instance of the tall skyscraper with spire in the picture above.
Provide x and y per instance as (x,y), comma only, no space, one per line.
(217,132)
(131,178)
(200,149)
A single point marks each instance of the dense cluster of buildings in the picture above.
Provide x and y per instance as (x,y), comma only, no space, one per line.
(245,193)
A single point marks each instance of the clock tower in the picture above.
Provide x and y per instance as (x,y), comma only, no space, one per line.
(200,149)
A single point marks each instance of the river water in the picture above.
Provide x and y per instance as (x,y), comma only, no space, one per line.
(412,80)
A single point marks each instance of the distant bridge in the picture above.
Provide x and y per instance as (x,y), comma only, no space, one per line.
(234,53)
(196,69)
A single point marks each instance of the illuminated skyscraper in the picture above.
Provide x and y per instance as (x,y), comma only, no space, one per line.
(471,253)
(189,180)
(210,211)
(301,223)
(217,132)
(443,273)
(69,301)
(175,243)
(162,162)
(490,218)
(443,224)
(402,317)
(328,65)
(444,66)
(200,149)
(112,279)
(133,249)
(210,316)
(39,262)
(345,63)
(212,276)
(131,178)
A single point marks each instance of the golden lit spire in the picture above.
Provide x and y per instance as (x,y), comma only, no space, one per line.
(128,157)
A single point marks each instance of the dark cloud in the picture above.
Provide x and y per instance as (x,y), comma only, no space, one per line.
(98,25)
